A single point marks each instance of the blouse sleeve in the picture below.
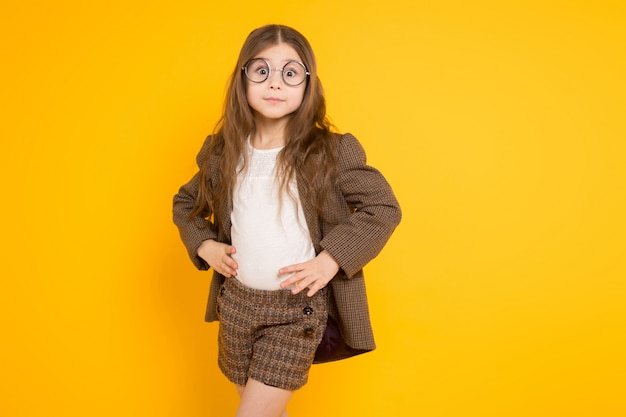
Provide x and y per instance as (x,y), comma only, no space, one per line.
(375,210)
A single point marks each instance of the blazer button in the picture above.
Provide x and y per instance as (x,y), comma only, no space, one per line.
(307,311)
(222,291)
(309,331)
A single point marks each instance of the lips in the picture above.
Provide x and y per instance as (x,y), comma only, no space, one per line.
(273,100)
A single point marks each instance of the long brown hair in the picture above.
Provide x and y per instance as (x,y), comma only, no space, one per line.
(308,132)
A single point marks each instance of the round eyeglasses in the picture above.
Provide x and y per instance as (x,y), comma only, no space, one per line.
(258,70)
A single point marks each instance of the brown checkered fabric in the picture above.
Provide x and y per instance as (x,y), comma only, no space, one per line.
(269,336)
(357,220)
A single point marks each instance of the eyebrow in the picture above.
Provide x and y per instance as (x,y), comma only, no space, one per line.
(269,60)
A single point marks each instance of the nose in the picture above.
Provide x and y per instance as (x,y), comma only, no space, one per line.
(275,79)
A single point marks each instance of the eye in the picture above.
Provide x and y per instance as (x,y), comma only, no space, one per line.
(258,67)
(291,70)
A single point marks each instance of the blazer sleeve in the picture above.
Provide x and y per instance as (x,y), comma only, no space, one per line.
(193,231)
(375,211)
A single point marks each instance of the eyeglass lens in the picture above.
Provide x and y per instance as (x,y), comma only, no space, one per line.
(293,73)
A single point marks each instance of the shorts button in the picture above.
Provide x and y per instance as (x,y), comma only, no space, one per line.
(307,311)
(309,331)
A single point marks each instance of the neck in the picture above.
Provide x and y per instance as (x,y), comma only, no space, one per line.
(268,135)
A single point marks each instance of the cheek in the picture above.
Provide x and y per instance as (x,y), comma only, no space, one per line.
(249,90)
(254,95)
(299,97)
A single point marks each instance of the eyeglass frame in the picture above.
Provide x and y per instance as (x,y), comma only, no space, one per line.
(282,73)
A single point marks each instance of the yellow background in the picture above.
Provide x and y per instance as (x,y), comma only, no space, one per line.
(499,124)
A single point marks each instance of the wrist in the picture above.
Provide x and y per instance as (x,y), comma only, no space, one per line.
(204,245)
(328,259)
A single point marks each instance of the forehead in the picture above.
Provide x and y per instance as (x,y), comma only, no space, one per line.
(278,53)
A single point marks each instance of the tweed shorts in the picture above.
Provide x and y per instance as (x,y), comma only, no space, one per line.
(269,336)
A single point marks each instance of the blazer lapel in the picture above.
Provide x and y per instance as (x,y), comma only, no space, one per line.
(224,216)
(309,214)
(226,224)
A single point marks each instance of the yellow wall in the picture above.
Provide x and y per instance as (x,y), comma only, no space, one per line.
(499,124)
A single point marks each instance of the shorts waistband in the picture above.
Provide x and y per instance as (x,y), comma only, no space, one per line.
(257,296)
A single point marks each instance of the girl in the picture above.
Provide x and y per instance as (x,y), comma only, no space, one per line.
(287,213)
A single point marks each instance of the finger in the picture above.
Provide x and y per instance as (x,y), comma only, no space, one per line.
(296,289)
(229,267)
(230,262)
(228,272)
(222,271)
(225,270)
(291,281)
(300,286)
(312,290)
(286,283)
(291,268)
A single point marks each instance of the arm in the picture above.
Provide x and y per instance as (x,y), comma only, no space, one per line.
(358,239)
(193,231)
(362,234)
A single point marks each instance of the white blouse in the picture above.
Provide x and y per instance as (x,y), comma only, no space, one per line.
(265,235)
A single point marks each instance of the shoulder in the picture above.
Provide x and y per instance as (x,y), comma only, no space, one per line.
(348,149)
(209,150)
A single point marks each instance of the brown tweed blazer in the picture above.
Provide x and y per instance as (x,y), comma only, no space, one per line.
(357,220)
